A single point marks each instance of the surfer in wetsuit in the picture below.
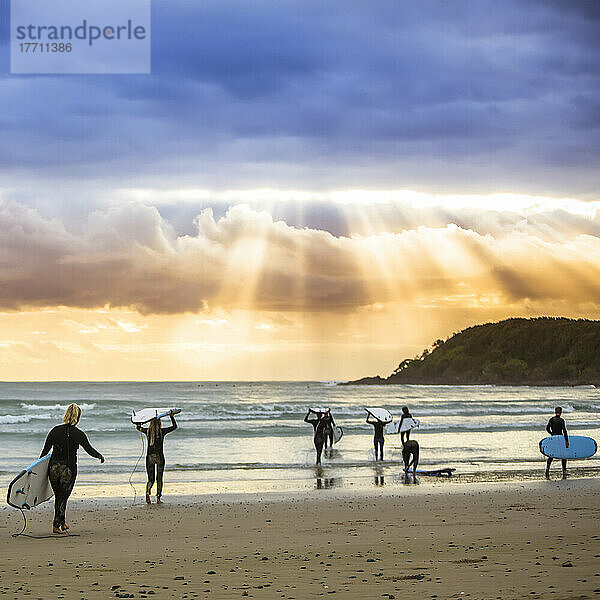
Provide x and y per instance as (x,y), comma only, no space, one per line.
(318,422)
(317,415)
(378,439)
(404,435)
(319,439)
(329,425)
(556,426)
(410,455)
(64,441)
(155,457)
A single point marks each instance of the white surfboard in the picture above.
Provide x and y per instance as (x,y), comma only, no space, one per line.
(147,414)
(319,410)
(381,414)
(338,433)
(407,425)
(31,486)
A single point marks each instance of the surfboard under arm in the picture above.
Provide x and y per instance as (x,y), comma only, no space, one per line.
(580,446)
(338,434)
(31,486)
(394,426)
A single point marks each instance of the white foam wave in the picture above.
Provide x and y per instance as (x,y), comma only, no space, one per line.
(57,407)
(15,419)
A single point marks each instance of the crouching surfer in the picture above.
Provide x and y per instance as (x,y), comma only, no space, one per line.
(155,456)
(64,441)
(410,455)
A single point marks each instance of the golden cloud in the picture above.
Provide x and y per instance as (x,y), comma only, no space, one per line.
(130,256)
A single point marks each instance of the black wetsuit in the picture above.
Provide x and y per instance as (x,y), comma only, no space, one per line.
(319,425)
(329,423)
(404,435)
(410,450)
(556,426)
(155,458)
(319,438)
(378,439)
(64,440)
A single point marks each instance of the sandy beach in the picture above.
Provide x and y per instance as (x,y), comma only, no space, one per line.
(485,541)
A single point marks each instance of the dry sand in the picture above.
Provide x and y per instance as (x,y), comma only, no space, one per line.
(500,541)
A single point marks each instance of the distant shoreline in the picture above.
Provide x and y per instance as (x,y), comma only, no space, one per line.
(539,352)
(377,380)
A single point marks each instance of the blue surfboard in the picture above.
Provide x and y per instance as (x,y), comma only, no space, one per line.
(580,446)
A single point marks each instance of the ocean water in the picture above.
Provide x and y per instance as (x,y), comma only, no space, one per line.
(251,436)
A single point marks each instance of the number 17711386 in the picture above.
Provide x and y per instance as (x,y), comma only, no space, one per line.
(45,47)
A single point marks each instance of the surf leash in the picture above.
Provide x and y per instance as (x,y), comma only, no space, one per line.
(24,524)
(38,537)
(135,468)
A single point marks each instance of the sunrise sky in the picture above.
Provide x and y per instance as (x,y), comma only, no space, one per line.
(300,190)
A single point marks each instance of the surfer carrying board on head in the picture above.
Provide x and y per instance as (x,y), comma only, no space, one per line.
(314,415)
(317,419)
(556,426)
(64,441)
(155,456)
(378,438)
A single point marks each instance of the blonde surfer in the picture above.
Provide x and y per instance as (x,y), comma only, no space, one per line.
(64,441)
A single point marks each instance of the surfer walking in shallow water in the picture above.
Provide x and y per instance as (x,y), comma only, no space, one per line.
(404,435)
(64,441)
(318,421)
(378,439)
(155,456)
(556,426)
(329,425)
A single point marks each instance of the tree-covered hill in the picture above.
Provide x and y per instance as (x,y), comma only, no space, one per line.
(541,351)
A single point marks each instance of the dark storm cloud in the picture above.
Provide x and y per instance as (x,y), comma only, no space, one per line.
(484,94)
